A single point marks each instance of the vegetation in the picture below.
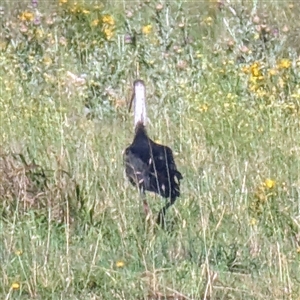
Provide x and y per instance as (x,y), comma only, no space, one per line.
(223,81)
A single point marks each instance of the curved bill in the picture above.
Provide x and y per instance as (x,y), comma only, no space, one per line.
(131,100)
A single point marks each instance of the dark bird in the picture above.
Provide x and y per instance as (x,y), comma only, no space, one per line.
(148,165)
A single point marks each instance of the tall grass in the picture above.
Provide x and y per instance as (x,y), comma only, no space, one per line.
(222,91)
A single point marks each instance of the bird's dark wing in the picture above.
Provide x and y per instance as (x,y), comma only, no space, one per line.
(164,176)
(136,169)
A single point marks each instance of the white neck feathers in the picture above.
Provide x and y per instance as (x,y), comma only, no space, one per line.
(140,115)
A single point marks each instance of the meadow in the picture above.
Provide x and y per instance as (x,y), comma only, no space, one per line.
(223,91)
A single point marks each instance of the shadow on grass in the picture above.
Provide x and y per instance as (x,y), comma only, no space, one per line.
(25,185)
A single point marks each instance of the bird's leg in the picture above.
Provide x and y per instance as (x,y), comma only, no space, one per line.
(146,206)
(161,215)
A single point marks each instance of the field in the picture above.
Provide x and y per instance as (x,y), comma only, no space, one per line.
(223,91)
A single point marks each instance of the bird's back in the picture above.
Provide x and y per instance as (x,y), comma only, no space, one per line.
(151,166)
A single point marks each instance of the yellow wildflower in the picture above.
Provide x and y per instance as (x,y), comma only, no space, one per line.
(269,183)
(39,33)
(208,21)
(284,63)
(256,36)
(26,16)
(108,33)
(253,222)
(47,60)
(108,19)
(73,9)
(245,69)
(95,23)
(120,264)
(63,1)
(203,108)
(260,92)
(18,252)
(272,72)
(147,29)
(15,286)
(255,70)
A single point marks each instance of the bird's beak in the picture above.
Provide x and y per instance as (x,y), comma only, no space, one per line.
(131,100)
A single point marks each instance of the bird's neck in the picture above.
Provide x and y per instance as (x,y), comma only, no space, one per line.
(140,128)
(140,133)
(140,115)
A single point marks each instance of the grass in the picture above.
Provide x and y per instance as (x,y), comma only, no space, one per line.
(223,92)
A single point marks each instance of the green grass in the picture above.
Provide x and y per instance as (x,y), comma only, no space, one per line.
(222,91)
